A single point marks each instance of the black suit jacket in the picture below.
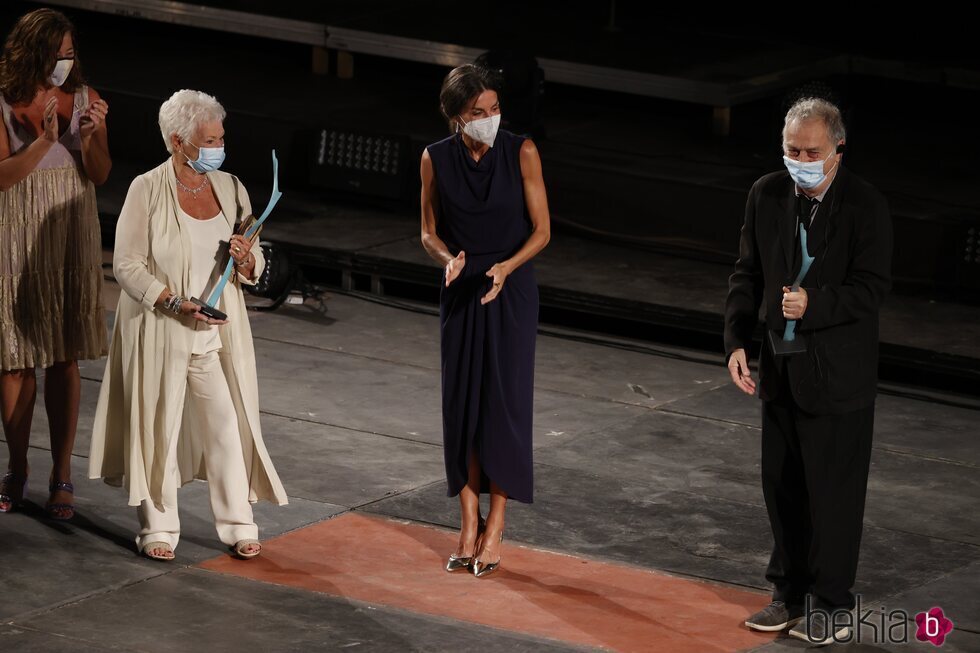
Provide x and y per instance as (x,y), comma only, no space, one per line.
(851,238)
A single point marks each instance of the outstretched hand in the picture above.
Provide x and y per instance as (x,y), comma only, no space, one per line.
(454,267)
(499,274)
(193,310)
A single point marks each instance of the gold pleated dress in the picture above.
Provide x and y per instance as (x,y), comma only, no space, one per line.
(51,307)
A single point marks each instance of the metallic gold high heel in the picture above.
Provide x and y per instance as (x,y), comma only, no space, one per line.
(457,563)
(483,569)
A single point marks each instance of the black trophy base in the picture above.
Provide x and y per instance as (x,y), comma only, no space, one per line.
(209,311)
(782,347)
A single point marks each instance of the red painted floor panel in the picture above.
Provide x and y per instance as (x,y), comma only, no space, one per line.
(541,593)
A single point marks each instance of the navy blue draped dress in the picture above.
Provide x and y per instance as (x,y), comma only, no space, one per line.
(487,350)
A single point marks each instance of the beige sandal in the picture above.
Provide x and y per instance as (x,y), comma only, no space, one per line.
(148,551)
(240,546)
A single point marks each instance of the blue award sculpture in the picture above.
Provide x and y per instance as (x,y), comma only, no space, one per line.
(790,344)
(209,307)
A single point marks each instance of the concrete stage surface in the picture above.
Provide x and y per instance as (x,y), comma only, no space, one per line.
(648,532)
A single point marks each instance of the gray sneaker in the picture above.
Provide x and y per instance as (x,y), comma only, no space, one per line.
(818,632)
(774,617)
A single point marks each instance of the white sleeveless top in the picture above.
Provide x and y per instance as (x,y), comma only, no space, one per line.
(209,239)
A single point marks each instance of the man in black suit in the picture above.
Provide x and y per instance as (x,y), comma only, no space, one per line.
(818,391)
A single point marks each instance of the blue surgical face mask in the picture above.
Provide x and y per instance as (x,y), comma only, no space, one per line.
(209,159)
(809,174)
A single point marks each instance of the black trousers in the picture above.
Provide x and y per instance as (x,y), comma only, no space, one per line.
(814,479)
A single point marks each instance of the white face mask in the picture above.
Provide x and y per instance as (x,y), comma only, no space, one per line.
(61,70)
(483,130)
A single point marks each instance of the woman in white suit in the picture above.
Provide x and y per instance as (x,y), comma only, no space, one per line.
(179,397)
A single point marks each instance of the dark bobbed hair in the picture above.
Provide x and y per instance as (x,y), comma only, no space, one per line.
(461,85)
(31,52)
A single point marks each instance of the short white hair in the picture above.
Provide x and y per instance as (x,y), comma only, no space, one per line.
(185,111)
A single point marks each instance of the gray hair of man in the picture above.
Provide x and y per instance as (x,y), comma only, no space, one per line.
(812,108)
(184,112)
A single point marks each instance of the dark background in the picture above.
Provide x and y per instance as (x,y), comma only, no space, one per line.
(638,173)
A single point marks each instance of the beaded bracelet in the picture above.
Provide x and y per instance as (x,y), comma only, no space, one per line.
(173,303)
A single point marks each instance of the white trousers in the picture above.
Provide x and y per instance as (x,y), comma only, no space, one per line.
(209,403)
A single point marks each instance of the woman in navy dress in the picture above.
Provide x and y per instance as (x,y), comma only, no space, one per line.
(484,216)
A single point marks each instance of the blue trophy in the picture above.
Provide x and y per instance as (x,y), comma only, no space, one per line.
(790,342)
(209,307)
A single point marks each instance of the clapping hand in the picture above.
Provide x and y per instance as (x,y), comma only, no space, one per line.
(49,121)
(93,118)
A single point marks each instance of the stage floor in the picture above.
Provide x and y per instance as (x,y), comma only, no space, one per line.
(648,532)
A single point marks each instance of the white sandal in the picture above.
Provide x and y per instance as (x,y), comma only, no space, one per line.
(239,549)
(147,550)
